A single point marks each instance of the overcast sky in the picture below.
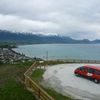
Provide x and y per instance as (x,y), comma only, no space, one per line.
(75,18)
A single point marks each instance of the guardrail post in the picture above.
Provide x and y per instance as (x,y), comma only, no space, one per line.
(25,80)
(29,83)
(39,94)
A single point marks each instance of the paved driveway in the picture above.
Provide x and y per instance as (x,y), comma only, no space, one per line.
(62,78)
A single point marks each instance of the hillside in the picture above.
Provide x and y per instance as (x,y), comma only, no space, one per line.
(23,38)
(11,87)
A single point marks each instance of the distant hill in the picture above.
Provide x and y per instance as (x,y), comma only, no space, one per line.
(96,41)
(15,37)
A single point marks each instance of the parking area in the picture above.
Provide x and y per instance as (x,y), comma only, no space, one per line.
(61,77)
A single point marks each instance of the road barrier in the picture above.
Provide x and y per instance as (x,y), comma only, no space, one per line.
(79,61)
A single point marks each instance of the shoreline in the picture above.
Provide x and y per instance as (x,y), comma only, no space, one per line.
(61,51)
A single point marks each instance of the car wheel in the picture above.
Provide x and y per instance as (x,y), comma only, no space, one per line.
(96,80)
(76,74)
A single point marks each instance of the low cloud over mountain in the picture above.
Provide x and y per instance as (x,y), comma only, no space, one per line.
(27,38)
(78,19)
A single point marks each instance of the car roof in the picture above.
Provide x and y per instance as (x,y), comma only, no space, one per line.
(93,67)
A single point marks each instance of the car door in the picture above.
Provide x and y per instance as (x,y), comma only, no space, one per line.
(96,74)
(83,71)
(90,72)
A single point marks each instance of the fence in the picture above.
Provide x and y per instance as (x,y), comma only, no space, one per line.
(34,87)
(79,61)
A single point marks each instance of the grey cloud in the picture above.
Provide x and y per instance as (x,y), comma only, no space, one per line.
(76,18)
(16,23)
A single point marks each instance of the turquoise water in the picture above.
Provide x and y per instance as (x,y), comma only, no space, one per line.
(62,51)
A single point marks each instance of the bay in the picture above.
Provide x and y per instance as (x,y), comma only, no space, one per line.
(61,51)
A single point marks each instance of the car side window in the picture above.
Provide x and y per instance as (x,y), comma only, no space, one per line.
(90,70)
(97,72)
(82,68)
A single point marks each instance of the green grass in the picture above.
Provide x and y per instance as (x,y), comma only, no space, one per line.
(26,64)
(51,62)
(10,86)
(56,95)
(37,75)
(15,91)
(55,62)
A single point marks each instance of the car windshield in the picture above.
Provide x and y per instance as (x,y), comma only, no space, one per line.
(97,72)
(82,68)
(90,70)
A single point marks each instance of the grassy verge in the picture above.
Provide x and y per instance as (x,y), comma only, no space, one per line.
(10,85)
(37,75)
(56,95)
(51,62)
(15,91)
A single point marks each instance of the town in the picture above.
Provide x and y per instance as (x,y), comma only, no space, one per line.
(7,55)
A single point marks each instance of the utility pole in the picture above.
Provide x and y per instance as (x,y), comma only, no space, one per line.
(46,55)
(46,58)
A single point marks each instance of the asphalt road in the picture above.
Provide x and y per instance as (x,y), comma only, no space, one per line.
(62,79)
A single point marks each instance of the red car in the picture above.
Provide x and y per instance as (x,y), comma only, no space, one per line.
(91,72)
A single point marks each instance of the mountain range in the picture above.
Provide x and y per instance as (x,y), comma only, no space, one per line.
(28,38)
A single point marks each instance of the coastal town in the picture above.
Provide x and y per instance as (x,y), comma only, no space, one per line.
(7,55)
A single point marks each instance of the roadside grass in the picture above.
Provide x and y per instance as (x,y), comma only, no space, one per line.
(10,86)
(15,91)
(37,75)
(26,64)
(56,95)
(52,62)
